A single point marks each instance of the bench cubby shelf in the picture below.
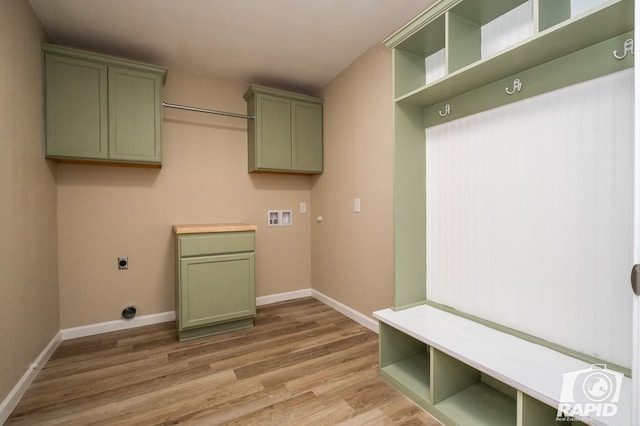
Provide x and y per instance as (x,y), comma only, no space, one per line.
(467,373)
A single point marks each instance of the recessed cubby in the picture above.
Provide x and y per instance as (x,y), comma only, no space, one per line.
(478,30)
(554,12)
(405,362)
(421,59)
(469,397)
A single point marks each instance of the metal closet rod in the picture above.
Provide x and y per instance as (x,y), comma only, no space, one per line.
(208,111)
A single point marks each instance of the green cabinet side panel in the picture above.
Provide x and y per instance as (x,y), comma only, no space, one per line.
(306,136)
(135,112)
(217,289)
(273,132)
(409,206)
(76,108)
(252,147)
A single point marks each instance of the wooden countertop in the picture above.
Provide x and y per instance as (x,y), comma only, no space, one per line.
(213,227)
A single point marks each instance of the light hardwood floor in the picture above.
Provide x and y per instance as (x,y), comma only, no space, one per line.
(302,364)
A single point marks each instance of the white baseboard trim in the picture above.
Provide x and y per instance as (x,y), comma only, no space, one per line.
(358,317)
(123,324)
(281,297)
(15,395)
(117,325)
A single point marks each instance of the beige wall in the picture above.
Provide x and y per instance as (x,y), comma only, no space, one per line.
(28,256)
(352,253)
(106,212)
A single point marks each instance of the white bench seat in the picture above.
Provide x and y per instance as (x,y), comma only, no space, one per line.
(531,368)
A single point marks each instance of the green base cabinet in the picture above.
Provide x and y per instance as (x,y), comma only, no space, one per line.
(102,109)
(215,289)
(286,134)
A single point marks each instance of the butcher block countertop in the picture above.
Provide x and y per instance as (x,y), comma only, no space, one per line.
(213,227)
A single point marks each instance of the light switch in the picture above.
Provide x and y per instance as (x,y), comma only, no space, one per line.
(356,205)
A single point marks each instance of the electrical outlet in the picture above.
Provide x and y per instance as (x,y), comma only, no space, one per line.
(123,263)
(303,207)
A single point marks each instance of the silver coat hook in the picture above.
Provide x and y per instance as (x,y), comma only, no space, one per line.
(628,48)
(447,111)
(517,86)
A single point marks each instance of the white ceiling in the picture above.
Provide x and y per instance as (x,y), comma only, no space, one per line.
(291,44)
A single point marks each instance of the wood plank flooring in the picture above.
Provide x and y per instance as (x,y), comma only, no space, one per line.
(302,364)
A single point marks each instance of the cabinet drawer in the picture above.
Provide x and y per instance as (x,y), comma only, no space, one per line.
(215,243)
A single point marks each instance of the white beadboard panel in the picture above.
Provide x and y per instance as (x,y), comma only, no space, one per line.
(507,30)
(434,65)
(529,216)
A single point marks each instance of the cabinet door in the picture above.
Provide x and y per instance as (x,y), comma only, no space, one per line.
(76,108)
(135,115)
(216,289)
(273,132)
(307,136)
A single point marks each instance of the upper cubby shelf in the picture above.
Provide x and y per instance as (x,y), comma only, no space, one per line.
(457,46)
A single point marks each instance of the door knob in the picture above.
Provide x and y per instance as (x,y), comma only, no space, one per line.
(635,279)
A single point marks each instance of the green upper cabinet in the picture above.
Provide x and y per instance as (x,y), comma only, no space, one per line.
(100,108)
(286,134)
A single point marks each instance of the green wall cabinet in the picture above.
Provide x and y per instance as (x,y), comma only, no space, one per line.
(215,279)
(286,133)
(102,109)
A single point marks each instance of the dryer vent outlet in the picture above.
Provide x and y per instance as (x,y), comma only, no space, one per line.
(129,312)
